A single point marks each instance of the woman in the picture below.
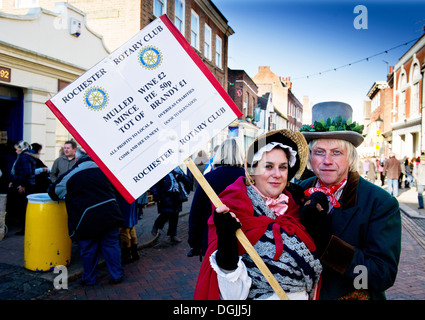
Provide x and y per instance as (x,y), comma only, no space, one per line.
(22,183)
(227,167)
(269,217)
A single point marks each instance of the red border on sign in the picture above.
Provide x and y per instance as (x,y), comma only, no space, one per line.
(189,50)
(127,196)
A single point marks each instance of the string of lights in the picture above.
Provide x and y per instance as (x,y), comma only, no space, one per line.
(354,62)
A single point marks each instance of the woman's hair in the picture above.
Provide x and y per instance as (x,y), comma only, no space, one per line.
(36,146)
(228,154)
(353,157)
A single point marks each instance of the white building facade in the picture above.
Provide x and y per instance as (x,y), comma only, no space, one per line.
(41,52)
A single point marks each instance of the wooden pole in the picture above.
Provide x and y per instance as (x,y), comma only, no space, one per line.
(239,234)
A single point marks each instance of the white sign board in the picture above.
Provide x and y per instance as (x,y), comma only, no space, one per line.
(145,108)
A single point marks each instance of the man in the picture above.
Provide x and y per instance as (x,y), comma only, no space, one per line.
(359,236)
(419,175)
(392,171)
(94,217)
(64,162)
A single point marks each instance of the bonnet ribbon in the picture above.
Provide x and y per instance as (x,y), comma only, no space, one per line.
(278,206)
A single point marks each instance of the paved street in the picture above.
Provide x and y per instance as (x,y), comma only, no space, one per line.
(164,272)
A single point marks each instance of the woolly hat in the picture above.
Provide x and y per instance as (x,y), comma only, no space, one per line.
(332,120)
(293,139)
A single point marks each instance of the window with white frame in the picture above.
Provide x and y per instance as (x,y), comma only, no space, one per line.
(159,7)
(403,82)
(207,42)
(414,110)
(402,106)
(194,30)
(21,4)
(179,15)
(218,52)
(416,76)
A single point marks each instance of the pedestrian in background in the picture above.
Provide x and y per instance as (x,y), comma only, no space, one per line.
(201,161)
(392,170)
(42,172)
(419,175)
(409,177)
(362,227)
(226,168)
(64,162)
(402,173)
(169,193)
(142,203)
(128,236)
(380,164)
(371,174)
(22,184)
(94,217)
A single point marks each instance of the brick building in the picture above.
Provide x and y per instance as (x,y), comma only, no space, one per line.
(408,92)
(378,127)
(243,92)
(203,26)
(287,107)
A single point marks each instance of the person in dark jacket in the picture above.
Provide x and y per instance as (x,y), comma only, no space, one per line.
(21,185)
(169,193)
(94,217)
(358,238)
(227,166)
(42,172)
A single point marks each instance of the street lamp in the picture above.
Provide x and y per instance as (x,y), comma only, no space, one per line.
(379,123)
(379,138)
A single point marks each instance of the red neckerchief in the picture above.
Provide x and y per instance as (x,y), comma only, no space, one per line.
(330,192)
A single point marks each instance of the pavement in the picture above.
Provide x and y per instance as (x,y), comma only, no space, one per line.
(164,272)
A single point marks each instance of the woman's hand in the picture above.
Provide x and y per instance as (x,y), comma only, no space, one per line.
(226,224)
(224,209)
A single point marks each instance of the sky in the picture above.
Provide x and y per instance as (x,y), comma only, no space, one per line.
(302,38)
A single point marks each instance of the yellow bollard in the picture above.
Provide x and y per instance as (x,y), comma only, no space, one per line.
(47,242)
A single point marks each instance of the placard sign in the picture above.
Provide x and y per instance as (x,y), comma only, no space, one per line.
(145,108)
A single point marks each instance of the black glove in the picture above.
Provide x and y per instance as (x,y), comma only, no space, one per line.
(314,216)
(227,256)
